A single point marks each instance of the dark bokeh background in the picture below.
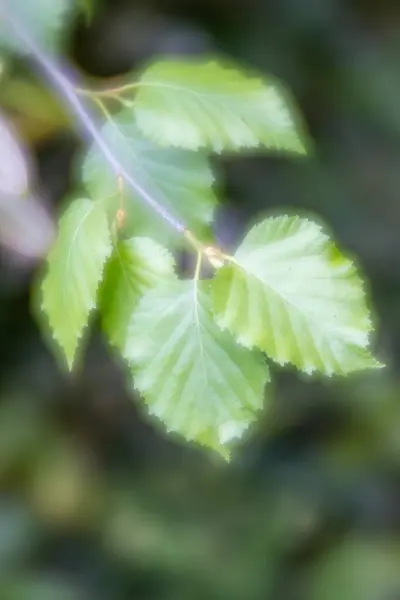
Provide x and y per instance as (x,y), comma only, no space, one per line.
(95,503)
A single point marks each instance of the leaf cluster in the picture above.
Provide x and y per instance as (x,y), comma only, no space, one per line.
(197,348)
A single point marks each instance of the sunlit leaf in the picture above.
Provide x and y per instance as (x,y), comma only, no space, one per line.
(34,106)
(193,376)
(195,105)
(74,270)
(136,266)
(291,293)
(179,181)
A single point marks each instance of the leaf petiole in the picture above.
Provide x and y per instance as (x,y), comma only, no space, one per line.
(111,93)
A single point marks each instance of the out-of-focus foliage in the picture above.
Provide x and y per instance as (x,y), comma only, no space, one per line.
(364,567)
(88,8)
(45,19)
(217,389)
(36,112)
(94,503)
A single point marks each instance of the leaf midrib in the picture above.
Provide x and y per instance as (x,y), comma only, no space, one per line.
(70,249)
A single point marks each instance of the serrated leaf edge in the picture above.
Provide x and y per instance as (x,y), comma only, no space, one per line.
(70,360)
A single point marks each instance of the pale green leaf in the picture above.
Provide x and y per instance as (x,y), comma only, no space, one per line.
(192,375)
(195,105)
(42,19)
(292,294)
(179,181)
(74,271)
(136,266)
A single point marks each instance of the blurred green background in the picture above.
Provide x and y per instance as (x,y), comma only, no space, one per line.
(95,502)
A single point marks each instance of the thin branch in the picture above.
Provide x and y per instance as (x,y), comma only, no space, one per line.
(107,92)
(66,88)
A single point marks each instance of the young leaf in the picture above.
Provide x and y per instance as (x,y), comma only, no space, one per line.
(207,105)
(75,267)
(42,18)
(191,374)
(136,266)
(178,180)
(292,294)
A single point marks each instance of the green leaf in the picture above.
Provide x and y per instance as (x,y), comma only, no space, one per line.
(193,376)
(292,294)
(74,270)
(196,105)
(180,181)
(43,20)
(136,266)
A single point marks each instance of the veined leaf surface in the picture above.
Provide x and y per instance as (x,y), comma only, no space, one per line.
(194,105)
(193,376)
(179,181)
(137,265)
(74,271)
(291,293)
